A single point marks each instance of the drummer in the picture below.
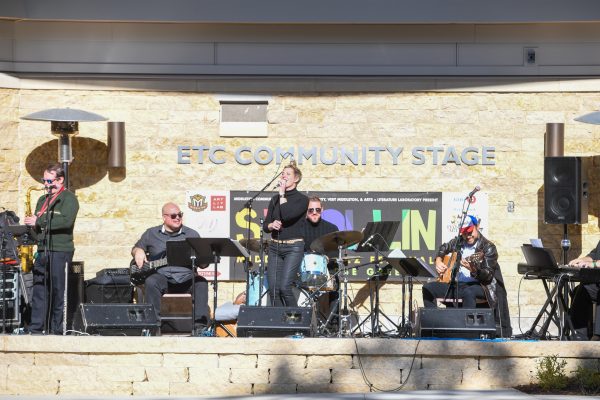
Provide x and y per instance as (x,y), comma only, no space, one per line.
(315,228)
(315,225)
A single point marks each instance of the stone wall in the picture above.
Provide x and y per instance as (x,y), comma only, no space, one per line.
(153,366)
(117,205)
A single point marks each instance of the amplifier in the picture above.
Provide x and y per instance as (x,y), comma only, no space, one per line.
(108,293)
(467,323)
(256,321)
(117,319)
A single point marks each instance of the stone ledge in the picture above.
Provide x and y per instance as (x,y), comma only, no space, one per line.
(107,345)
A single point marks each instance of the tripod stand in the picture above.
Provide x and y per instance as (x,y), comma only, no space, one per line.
(381,233)
(409,268)
(217,248)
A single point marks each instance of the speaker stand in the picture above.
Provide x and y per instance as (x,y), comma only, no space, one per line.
(565,244)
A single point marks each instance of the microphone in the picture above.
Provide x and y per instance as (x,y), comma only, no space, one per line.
(475,190)
(366,243)
(277,185)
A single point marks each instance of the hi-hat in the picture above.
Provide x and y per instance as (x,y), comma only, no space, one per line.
(334,240)
(253,244)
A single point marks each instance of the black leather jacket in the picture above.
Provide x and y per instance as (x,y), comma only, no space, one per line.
(490,277)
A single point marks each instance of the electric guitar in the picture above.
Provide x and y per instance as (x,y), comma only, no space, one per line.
(450,260)
(139,275)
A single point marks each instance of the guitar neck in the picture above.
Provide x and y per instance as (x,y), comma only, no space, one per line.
(157,263)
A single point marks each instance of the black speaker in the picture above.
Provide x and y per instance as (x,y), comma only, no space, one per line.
(74,290)
(108,293)
(117,319)
(566,190)
(256,321)
(467,323)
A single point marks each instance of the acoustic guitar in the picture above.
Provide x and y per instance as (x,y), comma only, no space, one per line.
(450,259)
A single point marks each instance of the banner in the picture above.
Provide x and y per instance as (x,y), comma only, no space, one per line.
(426,219)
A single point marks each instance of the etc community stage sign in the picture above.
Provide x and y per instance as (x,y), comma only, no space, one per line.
(330,155)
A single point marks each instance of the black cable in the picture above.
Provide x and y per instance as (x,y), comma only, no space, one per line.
(378,389)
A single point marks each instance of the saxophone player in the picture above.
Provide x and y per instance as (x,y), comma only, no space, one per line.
(53,221)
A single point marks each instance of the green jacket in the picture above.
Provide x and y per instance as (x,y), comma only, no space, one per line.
(63,212)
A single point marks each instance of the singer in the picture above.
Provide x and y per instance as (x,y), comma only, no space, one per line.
(285,223)
(479,278)
(53,221)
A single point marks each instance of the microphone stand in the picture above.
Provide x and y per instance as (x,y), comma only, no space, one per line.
(47,271)
(458,246)
(3,265)
(248,206)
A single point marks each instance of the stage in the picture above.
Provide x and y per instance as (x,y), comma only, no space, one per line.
(187,366)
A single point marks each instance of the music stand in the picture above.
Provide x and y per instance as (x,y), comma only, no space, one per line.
(217,248)
(410,267)
(377,236)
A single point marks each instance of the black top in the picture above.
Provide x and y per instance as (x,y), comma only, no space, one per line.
(315,231)
(291,214)
(595,254)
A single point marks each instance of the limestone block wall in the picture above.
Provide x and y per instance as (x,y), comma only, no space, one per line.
(117,205)
(153,366)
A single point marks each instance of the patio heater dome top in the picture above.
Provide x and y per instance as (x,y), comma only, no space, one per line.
(64,115)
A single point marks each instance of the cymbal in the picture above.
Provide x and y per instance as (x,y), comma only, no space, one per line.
(254,244)
(347,258)
(333,240)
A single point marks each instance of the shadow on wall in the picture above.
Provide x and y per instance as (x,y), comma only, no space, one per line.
(89,164)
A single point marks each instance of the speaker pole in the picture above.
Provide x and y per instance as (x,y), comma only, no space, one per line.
(565,244)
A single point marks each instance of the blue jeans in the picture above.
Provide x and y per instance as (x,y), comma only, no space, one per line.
(468,292)
(282,271)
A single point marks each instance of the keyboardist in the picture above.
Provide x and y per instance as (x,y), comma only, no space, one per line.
(585,296)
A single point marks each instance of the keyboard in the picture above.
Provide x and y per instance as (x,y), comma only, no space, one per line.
(585,275)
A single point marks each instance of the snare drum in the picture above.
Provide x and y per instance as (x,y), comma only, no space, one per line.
(314,274)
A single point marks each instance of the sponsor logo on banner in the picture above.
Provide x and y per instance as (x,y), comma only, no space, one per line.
(218,203)
(197,203)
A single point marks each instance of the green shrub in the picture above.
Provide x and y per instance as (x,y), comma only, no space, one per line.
(588,380)
(551,373)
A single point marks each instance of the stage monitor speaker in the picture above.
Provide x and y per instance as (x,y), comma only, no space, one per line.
(466,323)
(256,321)
(117,319)
(566,190)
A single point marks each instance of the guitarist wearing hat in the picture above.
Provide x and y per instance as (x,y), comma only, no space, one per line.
(149,265)
(479,275)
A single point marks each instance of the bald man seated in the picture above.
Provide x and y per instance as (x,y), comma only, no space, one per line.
(152,246)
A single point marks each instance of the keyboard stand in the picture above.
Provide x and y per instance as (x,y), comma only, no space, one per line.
(555,309)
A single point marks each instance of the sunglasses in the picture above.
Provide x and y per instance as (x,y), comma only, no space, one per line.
(173,216)
(314,210)
(48,181)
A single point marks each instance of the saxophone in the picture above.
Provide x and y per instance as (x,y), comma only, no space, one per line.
(26,251)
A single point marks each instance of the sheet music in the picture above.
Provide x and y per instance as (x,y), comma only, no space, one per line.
(397,253)
(537,242)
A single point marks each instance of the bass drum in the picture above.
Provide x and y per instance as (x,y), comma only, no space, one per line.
(254,292)
(314,274)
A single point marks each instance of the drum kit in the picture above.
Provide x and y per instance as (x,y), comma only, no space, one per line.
(315,279)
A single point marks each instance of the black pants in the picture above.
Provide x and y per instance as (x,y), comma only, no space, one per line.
(283,267)
(582,308)
(468,292)
(48,295)
(157,284)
